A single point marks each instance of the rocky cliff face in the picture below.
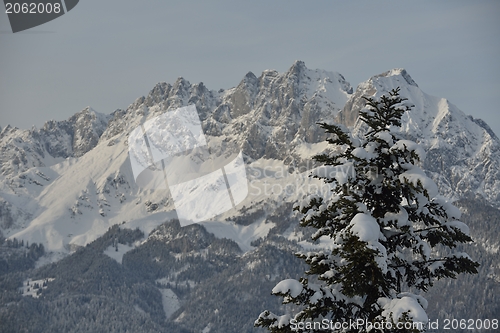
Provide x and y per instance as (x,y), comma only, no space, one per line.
(263,116)
(463,153)
(57,140)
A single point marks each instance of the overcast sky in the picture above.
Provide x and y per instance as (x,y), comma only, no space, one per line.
(105,54)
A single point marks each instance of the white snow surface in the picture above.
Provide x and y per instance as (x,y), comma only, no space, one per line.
(459,225)
(398,306)
(400,217)
(365,227)
(170,302)
(451,210)
(368,230)
(416,175)
(28,288)
(289,285)
(410,146)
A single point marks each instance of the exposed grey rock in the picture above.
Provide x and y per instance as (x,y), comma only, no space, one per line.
(463,153)
(24,149)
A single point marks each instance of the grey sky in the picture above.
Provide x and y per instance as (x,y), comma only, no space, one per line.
(107,53)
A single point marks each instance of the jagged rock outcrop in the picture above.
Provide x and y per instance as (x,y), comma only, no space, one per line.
(56,140)
(463,153)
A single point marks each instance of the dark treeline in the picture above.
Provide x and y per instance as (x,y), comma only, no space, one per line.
(218,285)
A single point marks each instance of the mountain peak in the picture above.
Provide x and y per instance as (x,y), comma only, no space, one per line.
(250,76)
(249,79)
(87,112)
(181,81)
(398,72)
(298,65)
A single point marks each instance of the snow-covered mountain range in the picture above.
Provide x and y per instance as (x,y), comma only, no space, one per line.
(124,263)
(65,184)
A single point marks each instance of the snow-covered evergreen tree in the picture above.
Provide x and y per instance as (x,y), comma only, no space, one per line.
(389,229)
